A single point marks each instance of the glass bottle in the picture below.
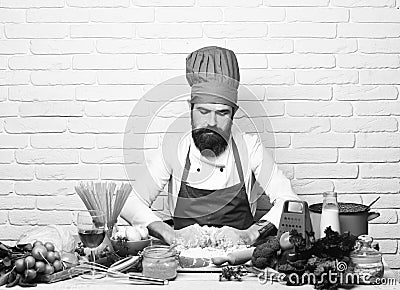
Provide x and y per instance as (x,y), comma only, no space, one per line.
(366,261)
(330,213)
(160,262)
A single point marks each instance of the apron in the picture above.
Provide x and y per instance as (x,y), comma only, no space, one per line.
(222,207)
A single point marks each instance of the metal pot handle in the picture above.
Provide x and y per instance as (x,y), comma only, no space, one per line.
(373,215)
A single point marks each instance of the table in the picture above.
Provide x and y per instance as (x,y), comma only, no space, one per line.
(189,281)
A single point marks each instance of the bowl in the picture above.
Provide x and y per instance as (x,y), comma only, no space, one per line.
(130,248)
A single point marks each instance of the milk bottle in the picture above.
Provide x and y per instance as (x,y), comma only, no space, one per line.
(330,213)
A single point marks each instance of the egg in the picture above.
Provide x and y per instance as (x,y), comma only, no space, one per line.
(133,234)
(120,232)
(144,232)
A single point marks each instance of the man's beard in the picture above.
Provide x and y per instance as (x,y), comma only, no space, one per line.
(207,140)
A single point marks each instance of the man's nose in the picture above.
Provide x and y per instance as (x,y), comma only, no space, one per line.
(212,119)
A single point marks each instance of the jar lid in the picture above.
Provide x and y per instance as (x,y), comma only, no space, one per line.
(365,253)
(159,251)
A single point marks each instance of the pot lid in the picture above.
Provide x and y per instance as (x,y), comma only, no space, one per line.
(344,207)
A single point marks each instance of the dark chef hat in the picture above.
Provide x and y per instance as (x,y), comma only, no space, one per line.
(213,74)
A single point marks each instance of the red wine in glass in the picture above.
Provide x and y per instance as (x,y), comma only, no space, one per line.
(92,238)
(91,231)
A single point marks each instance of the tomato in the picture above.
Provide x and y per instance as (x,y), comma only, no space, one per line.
(20,265)
(37,243)
(51,257)
(49,246)
(30,262)
(39,266)
(284,241)
(57,255)
(39,252)
(48,269)
(30,274)
(57,265)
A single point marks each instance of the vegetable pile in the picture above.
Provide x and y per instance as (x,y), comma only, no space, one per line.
(24,264)
(307,261)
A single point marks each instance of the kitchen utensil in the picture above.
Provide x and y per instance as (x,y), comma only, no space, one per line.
(353,217)
(372,203)
(234,258)
(124,264)
(131,278)
(295,215)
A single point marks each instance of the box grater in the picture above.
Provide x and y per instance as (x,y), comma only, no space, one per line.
(298,219)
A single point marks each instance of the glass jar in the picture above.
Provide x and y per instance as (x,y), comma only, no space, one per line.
(160,262)
(330,213)
(366,261)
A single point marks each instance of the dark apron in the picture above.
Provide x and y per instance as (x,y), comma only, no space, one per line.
(222,207)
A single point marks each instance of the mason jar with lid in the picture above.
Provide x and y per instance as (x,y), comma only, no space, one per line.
(366,261)
(160,262)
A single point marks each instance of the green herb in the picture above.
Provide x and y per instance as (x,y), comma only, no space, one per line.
(229,272)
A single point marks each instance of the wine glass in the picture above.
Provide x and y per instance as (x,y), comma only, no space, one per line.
(91,231)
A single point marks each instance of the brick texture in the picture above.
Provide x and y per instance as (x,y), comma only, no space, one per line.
(73,76)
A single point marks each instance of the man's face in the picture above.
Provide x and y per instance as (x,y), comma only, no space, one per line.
(211,127)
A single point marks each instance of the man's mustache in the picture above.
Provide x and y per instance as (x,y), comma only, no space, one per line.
(209,139)
(208,130)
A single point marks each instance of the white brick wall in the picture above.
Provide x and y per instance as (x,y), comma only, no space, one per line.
(71,71)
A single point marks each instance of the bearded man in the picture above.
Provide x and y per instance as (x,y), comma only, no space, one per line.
(218,165)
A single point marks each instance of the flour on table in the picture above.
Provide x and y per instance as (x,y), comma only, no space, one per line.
(206,245)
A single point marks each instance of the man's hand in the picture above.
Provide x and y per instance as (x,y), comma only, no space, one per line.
(189,236)
(235,236)
(162,231)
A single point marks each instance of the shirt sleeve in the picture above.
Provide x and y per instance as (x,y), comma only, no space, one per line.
(150,180)
(271,180)
(279,190)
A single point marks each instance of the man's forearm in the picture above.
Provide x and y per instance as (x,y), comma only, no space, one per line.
(136,212)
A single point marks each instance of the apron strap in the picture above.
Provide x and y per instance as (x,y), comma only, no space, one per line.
(186,168)
(237,161)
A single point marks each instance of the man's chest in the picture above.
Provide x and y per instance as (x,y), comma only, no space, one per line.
(211,176)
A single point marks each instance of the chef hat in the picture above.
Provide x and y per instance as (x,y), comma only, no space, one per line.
(213,74)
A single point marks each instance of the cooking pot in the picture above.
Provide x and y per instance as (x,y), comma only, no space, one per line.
(353,218)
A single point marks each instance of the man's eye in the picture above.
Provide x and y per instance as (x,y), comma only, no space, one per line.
(203,111)
(223,113)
